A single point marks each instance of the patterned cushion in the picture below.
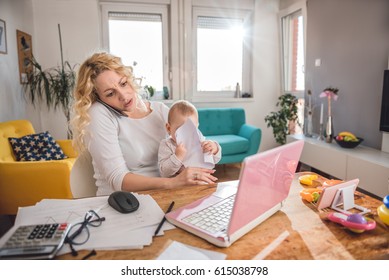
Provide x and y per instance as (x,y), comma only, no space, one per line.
(36,147)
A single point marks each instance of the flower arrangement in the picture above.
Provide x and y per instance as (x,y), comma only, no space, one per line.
(329,93)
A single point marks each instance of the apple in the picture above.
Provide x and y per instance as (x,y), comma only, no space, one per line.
(339,138)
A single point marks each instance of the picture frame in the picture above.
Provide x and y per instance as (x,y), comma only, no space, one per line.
(3,37)
(24,44)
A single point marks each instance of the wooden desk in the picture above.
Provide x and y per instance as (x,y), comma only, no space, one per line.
(308,236)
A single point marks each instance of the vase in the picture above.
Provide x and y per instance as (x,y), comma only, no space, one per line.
(165,93)
(329,130)
(309,129)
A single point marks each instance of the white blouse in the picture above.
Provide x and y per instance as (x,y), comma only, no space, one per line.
(119,145)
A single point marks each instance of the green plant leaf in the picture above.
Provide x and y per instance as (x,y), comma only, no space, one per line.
(279,120)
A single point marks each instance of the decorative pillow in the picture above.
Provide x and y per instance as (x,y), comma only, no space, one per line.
(36,147)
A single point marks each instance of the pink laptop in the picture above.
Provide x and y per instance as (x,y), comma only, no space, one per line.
(238,206)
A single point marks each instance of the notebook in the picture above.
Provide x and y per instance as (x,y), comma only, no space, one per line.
(263,186)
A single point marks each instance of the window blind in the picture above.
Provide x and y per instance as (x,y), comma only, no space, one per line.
(134,16)
(218,23)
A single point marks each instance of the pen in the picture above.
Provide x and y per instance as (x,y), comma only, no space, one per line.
(164,218)
(92,253)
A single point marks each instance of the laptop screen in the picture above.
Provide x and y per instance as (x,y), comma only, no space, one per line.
(264,182)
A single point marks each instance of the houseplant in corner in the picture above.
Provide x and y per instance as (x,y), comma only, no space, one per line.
(281,119)
(54,85)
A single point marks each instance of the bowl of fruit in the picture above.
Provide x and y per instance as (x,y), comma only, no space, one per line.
(348,140)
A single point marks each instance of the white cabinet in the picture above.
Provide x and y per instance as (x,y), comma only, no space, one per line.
(322,157)
(369,165)
(373,178)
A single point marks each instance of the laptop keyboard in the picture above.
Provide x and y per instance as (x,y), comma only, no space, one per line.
(214,218)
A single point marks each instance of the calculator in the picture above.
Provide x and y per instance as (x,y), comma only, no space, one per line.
(39,241)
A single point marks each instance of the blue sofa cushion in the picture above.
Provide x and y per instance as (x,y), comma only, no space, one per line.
(221,121)
(231,144)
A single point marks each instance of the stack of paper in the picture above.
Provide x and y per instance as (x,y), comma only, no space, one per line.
(118,231)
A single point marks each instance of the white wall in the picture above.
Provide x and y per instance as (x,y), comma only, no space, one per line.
(80,29)
(80,26)
(17,15)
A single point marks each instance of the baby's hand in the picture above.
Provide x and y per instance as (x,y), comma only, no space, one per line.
(180,151)
(209,147)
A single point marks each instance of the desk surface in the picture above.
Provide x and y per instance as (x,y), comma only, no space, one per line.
(297,231)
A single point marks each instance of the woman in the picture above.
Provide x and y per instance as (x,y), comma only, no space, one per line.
(121,131)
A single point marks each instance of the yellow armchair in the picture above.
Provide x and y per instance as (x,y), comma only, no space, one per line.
(26,183)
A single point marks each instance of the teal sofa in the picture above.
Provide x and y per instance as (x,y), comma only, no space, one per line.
(228,127)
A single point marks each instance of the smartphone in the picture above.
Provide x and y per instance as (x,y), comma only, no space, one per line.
(112,109)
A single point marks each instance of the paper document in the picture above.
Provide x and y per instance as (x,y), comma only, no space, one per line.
(118,231)
(189,135)
(180,251)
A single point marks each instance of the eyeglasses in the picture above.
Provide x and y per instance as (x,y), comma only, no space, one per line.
(79,233)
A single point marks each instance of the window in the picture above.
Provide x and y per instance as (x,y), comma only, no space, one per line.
(293,55)
(221,51)
(144,53)
(138,34)
(193,50)
(292,28)
(218,39)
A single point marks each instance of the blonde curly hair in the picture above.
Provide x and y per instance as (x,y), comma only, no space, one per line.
(85,91)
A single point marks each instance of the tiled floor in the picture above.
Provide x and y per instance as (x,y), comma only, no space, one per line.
(224,172)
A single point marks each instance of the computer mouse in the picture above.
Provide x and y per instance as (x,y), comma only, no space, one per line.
(124,202)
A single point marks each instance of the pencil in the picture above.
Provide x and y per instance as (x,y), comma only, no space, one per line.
(164,218)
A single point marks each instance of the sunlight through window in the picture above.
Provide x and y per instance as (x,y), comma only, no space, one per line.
(137,39)
(219,53)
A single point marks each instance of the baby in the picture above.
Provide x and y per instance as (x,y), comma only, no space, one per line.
(172,154)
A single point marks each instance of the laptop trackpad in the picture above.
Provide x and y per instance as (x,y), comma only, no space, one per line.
(226,189)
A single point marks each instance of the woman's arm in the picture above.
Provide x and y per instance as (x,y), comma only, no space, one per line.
(103,145)
(189,176)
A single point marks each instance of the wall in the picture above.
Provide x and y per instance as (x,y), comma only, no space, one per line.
(80,26)
(39,18)
(80,29)
(351,37)
(17,15)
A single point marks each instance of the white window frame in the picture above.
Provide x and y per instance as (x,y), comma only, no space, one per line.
(178,46)
(246,17)
(299,6)
(161,9)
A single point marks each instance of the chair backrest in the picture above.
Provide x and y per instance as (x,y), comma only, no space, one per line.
(17,128)
(82,183)
(221,121)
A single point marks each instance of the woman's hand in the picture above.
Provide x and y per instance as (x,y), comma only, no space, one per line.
(194,176)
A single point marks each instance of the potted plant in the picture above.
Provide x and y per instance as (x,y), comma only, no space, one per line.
(287,114)
(54,85)
(150,90)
